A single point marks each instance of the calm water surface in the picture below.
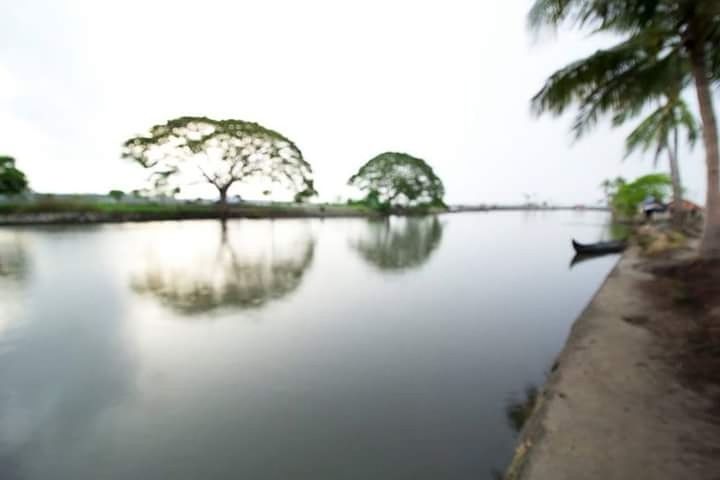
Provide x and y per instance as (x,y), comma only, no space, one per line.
(336,349)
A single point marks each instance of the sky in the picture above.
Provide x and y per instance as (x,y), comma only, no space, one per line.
(447,81)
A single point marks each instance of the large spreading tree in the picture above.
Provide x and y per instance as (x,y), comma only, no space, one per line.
(666,43)
(12,180)
(394,179)
(222,153)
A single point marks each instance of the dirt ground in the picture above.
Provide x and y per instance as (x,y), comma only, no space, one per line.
(687,291)
(635,393)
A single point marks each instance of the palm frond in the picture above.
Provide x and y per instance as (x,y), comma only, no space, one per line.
(657,127)
(551,12)
(602,15)
(651,132)
(686,119)
(621,81)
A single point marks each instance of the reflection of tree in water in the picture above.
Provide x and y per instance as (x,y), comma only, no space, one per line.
(519,410)
(399,243)
(233,277)
(13,258)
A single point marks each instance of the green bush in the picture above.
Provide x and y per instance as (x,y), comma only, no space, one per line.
(627,197)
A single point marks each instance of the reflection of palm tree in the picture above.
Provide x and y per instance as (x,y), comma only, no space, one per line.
(229,279)
(397,244)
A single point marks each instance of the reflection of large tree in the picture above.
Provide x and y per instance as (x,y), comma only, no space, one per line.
(399,243)
(231,277)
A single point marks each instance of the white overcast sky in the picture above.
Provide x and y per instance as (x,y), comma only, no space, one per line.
(448,81)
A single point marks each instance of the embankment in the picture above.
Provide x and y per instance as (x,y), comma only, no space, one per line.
(613,407)
(118,214)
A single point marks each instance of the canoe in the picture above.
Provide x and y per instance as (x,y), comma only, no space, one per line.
(599,248)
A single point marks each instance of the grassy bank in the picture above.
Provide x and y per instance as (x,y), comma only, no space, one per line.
(84,211)
(68,209)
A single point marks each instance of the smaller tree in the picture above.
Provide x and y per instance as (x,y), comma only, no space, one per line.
(610,188)
(12,180)
(394,179)
(116,195)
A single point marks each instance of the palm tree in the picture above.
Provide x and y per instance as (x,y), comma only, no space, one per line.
(668,42)
(660,131)
(625,80)
(610,188)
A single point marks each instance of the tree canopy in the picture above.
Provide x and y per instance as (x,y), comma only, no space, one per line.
(659,126)
(620,81)
(394,179)
(12,180)
(189,150)
(116,195)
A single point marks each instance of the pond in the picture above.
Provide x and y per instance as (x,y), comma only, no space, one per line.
(323,349)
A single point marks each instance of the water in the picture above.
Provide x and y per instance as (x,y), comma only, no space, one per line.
(336,349)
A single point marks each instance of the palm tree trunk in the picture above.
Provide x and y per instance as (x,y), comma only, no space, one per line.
(678,214)
(710,244)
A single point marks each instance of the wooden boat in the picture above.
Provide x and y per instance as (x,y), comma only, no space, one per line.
(599,248)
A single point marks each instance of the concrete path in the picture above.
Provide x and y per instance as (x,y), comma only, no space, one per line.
(612,408)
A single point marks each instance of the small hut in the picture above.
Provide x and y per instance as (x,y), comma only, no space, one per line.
(688,207)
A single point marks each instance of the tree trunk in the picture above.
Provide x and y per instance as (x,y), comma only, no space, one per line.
(678,214)
(710,244)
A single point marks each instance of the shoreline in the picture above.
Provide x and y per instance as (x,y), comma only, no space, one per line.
(178,213)
(612,406)
(90,217)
